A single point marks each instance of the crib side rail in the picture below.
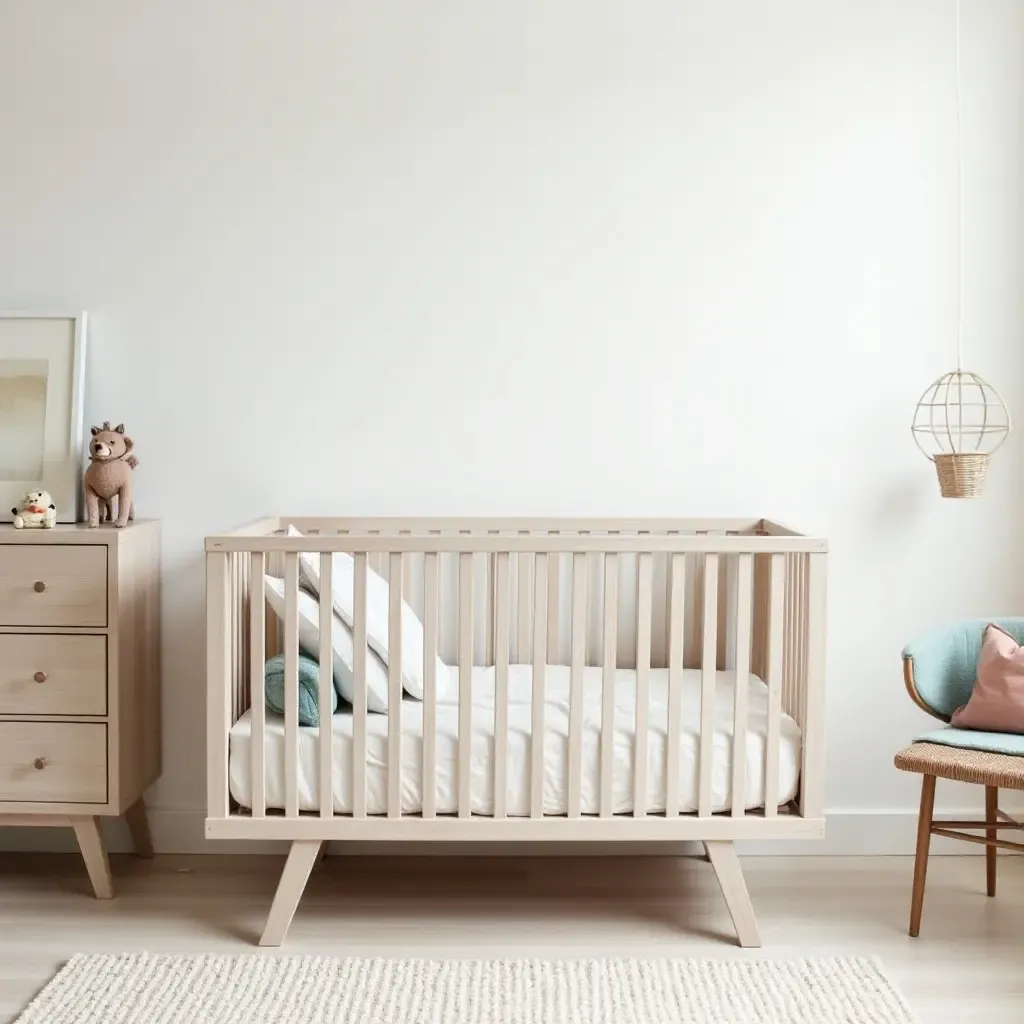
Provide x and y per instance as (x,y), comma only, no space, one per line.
(751,602)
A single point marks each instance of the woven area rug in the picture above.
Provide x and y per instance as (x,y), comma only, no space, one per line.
(307,989)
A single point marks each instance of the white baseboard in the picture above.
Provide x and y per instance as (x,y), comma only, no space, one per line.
(848,833)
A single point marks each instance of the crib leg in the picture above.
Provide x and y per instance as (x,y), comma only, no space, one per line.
(301,859)
(722,854)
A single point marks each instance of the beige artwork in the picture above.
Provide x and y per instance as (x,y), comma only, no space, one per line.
(22,418)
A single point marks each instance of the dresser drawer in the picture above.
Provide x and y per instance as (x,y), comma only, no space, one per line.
(53,674)
(53,762)
(58,585)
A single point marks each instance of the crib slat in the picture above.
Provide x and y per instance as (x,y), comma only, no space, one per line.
(234,631)
(489,624)
(218,672)
(232,634)
(758,663)
(697,611)
(668,605)
(244,646)
(523,618)
(257,700)
(608,661)
(465,684)
(540,620)
(579,649)
(326,734)
(802,626)
(291,684)
(238,686)
(709,663)
(359,686)
(243,625)
(445,609)
(812,785)
(675,682)
(395,687)
(789,625)
(744,610)
(430,594)
(501,631)
(723,611)
(554,566)
(791,663)
(644,585)
(776,625)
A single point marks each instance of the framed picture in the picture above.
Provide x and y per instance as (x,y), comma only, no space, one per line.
(42,385)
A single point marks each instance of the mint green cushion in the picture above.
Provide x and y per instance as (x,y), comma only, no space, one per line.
(946,660)
(995,742)
(309,688)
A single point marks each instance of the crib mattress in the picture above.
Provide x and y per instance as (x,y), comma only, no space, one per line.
(556,748)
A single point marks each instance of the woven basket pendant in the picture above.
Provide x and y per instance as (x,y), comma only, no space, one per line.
(959,422)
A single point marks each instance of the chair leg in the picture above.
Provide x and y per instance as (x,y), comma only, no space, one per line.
(991,816)
(924,835)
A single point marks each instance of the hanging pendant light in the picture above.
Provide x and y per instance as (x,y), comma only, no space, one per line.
(960,420)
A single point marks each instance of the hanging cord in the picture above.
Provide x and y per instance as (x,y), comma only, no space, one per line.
(959,202)
(958,445)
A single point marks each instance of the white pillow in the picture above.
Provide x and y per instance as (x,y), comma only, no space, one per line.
(341,641)
(377,617)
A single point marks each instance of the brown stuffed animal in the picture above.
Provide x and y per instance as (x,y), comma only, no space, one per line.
(109,475)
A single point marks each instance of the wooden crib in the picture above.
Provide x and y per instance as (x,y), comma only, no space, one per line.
(655,622)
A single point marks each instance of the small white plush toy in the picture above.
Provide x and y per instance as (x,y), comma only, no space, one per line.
(36,511)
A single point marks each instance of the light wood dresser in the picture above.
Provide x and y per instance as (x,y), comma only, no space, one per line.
(80,681)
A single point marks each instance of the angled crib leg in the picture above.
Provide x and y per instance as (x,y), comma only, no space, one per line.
(301,858)
(722,854)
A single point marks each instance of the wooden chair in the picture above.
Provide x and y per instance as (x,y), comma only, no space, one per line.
(939,670)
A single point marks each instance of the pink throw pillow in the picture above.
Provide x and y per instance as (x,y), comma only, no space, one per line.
(997,700)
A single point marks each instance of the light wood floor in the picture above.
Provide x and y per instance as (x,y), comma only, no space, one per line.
(967,964)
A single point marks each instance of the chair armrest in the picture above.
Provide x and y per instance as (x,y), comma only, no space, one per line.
(939,666)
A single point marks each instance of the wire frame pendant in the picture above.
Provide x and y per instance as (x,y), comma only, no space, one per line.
(959,422)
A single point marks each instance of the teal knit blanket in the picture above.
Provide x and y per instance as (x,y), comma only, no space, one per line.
(309,689)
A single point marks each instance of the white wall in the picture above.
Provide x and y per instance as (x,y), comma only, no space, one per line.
(545,258)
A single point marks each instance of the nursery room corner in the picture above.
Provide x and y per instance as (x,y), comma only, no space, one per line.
(513,511)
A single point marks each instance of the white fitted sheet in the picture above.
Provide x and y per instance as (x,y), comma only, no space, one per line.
(556,748)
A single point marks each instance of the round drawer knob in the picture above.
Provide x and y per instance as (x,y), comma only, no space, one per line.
(39,587)
(40,763)
(40,677)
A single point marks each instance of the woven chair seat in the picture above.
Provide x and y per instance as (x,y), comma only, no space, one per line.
(963,765)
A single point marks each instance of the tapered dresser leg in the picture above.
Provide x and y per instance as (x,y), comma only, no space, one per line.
(138,826)
(90,842)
